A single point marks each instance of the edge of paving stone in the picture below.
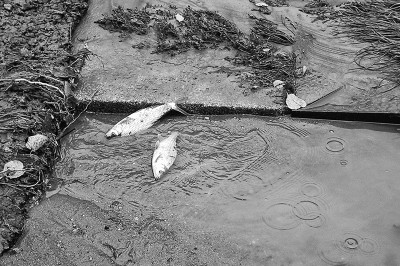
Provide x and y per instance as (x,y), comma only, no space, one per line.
(99,106)
(375,117)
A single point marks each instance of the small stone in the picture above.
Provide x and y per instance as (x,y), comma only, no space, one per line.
(36,142)
(7,7)
(278,84)
(24,52)
(179,17)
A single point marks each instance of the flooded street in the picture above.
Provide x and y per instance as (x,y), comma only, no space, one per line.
(288,192)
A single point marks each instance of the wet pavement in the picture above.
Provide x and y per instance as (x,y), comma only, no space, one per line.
(128,78)
(244,190)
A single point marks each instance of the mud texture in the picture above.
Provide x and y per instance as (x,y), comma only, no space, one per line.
(70,231)
(37,75)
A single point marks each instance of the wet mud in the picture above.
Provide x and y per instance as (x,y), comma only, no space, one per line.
(272,191)
(35,54)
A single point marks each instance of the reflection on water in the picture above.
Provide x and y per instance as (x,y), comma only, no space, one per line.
(324,194)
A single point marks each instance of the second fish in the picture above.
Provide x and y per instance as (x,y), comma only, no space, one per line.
(142,120)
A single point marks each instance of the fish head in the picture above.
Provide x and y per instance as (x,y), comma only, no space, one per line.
(158,172)
(111,133)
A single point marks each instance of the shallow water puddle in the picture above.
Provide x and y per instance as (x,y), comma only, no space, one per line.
(320,193)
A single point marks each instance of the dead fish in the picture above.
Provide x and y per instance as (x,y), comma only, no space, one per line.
(164,155)
(141,120)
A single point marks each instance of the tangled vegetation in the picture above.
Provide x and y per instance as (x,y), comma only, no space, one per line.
(203,29)
(38,74)
(378,24)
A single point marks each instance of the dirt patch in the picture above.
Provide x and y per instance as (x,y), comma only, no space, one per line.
(38,74)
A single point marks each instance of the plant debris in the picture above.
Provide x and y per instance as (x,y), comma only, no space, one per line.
(204,29)
(38,74)
(376,23)
(373,22)
(127,21)
(321,8)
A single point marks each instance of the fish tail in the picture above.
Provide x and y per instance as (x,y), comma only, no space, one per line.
(175,133)
(177,108)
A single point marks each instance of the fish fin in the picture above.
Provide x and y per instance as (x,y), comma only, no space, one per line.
(180,110)
(158,157)
(159,138)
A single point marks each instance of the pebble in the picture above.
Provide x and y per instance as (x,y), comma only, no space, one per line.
(7,7)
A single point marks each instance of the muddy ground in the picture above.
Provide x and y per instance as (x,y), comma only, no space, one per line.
(37,74)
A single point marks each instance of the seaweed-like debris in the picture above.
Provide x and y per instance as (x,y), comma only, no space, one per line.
(207,28)
(200,30)
(266,66)
(321,8)
(204,29)
(268,31)
(127,21)
(378,24)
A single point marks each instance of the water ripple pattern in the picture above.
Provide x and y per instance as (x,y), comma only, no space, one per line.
(347,248)
(285,182)
(215,158)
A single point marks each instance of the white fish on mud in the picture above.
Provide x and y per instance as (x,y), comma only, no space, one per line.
(164,155)
(142,120)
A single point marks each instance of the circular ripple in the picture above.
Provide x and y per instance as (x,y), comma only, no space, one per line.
(330,254)
(350,242)
(369,246)
(317,222)
(307,210)
(335,145)
(243,191)
(311,189)
(280,216)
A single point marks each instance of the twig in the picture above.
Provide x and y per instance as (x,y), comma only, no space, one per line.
(36,83)
(77,117)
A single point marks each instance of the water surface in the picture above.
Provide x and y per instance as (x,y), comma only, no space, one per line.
(318,193)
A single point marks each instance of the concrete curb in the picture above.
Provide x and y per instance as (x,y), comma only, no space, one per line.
(195,108)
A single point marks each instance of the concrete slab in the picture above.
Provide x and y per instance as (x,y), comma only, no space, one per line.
(129,79)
